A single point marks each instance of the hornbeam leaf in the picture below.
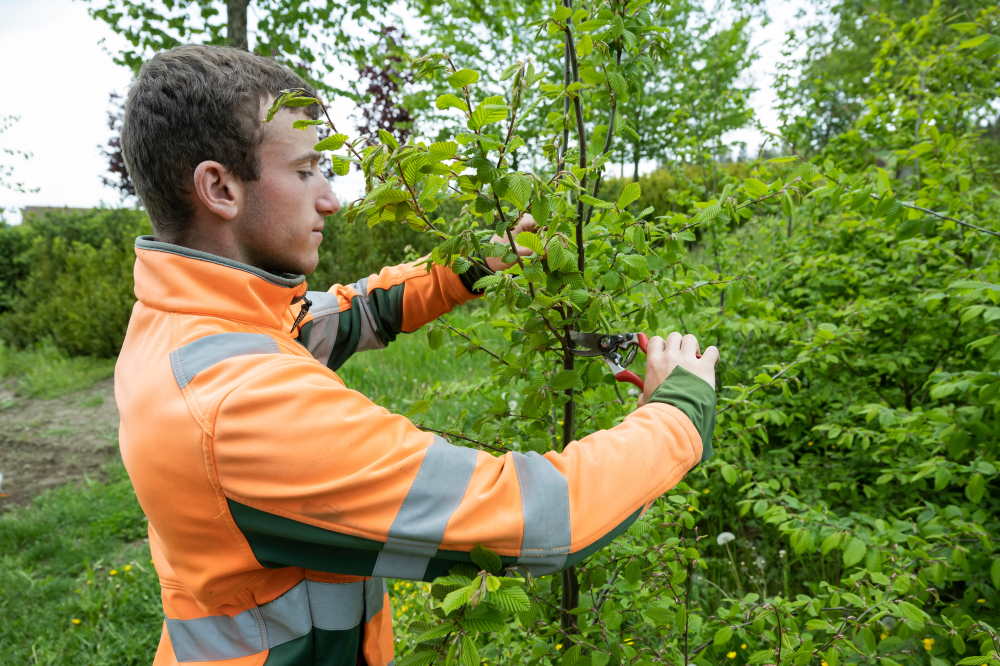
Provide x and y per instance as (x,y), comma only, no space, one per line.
(341,165)
(332,142)
(974,42)
(306,122)
(531,241)
(463,77)
(595,202)
(487,112)
(629,194)
(448,100)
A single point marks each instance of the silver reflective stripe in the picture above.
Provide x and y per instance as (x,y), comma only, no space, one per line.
(308,605)
(325,310)
(545,502)
(336,606)
(216,637)
(192,358)
(374,596)
(369,339)
(419,526)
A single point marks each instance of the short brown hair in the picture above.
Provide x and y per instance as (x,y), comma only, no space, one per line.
(191,104)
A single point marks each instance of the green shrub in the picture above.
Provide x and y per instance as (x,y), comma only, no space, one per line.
(72,281)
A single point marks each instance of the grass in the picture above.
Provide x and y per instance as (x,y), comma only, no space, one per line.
(76,582)
(44,371)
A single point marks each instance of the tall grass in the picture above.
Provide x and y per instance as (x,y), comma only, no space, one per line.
(45,371)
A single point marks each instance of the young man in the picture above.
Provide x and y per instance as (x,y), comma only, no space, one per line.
(278,497)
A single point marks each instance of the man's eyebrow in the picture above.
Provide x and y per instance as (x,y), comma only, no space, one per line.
(311,156)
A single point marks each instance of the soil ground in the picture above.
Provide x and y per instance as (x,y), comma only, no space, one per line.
(46,443)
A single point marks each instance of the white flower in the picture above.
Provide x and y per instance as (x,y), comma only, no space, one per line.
(724,538)
(760,562)
(781,553)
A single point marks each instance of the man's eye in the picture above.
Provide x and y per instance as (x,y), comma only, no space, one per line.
(305,174)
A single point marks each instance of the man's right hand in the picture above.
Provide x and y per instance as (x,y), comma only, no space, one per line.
(662,356)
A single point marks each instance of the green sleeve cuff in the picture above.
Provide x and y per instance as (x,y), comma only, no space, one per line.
(477,270)
(693,396)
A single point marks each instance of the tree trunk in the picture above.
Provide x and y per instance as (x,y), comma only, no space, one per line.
(236,23)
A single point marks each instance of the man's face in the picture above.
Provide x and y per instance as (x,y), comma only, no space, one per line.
(281,223)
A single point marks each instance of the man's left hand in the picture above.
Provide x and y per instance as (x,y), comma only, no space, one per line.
(524,223)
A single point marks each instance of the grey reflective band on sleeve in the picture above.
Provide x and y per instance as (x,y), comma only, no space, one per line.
(325,322)
(203,353)
(375,590)
(545,503)
(369,328)
(419,526)
(307,605)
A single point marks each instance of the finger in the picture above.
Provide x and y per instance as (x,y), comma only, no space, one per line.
(524,251)
(526,223)
(711,355)
(689,345)
(673,343)
(656,348)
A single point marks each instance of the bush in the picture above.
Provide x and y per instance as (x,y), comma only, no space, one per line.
(71,281)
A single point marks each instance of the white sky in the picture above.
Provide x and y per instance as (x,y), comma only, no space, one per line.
(56,75)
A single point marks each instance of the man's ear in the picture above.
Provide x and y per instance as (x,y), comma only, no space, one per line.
(217,189)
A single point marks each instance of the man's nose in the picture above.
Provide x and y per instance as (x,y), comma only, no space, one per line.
(327,204)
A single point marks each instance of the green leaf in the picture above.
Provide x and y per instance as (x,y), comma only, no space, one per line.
(995,573)
(865,640)
(830,542)
(563,379)
(332,142)
(595,202)
(636,266)
(463,77)
(540,210)
(975,661)
(486,559)
(561,13)
(854,551)
(530,240)
(436,632)
(976,488)
(421,658)
(443,150)
(470,655)
(457,598)
(729,473)
(448,100)
(487,282)
(303,123)
(435,336)
(388,139)
(618,85)
(491,110)
(340,164)
(755,188)
(783,160)
(722,636)
(974,42)
(913,615)
(515,188)
(630,193)
(512,599)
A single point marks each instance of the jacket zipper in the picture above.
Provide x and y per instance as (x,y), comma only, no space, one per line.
(306,304)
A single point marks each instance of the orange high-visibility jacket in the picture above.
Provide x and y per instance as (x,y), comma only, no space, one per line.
(278,497)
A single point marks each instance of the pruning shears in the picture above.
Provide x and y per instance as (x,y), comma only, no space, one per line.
(617,349)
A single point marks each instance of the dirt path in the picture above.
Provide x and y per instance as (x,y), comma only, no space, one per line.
(46,443)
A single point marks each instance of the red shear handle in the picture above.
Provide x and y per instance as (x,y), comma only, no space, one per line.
(643,341)
(629,376)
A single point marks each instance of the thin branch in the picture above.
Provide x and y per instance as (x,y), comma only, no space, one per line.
(942,216)
(455,435)
(471,341)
